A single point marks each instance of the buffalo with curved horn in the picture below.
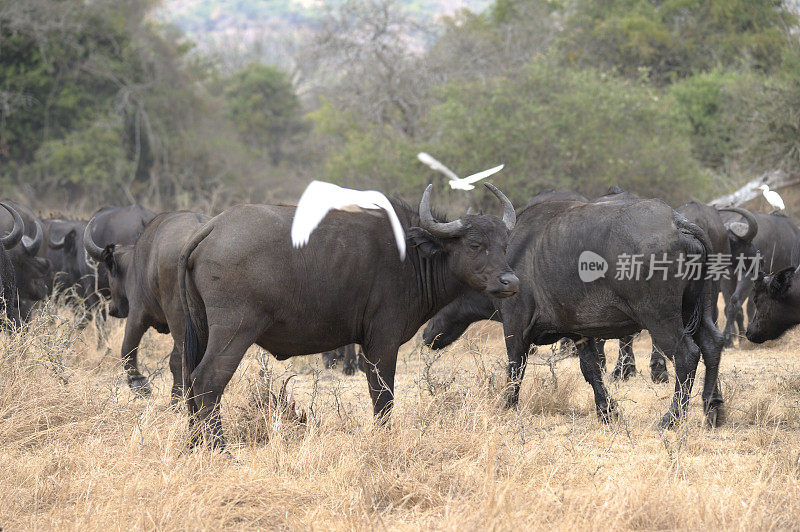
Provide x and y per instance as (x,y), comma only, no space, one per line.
(8,279)
(142,280)
(31,269)
(242,283)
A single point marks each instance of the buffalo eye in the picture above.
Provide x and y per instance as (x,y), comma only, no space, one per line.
(475,246)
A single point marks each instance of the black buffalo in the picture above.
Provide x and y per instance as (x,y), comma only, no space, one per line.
(777,235)
(144,288)
(777,305)
(450,323)
(8,283)
(120,226)
(31,271)
(242,283)
(70,267)
(553,302)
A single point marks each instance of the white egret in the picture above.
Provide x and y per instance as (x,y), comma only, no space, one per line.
(457,183)
(320,197)
(772,197)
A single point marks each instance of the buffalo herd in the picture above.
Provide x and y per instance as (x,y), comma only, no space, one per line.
(562,267)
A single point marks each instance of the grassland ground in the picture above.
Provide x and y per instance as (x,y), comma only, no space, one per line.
(80,451)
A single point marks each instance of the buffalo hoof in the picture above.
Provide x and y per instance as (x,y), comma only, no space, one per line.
(715,416)
(510,398)
(658,372)
(667,422)
(623,373)
(176,401)
(349,371)
(728,341)
(140,386)
(608,413)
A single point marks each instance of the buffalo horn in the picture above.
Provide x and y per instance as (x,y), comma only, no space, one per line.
(13,238)
(32,245)
(427,222)
(94,251)
(509,216)
(752,224)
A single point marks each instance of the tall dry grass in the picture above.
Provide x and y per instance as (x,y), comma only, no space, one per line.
(79,451)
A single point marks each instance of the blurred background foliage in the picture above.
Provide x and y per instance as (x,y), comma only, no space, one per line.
(109,101)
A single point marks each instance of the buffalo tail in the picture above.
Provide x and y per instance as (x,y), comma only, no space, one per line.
(695,295)
(196,332)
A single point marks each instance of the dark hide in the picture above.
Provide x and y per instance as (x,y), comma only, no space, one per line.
(243,283)
(776,237)
(143,285)
(777,305)
(120,226)
(553,302)
(31,271)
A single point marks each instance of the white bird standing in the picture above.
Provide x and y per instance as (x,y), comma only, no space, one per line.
(320,197)
(457,183)
(772,197)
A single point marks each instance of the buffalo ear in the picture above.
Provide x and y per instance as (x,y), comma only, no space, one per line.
(69,241)
(427,244)
(780,282)
(109,260)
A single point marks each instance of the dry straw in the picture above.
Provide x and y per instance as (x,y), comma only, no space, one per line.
(79,451)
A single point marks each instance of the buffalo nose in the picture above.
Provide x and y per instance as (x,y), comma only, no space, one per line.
(510,281)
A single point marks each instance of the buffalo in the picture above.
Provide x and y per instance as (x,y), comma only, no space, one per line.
(774,241)
(70,267)
(777,305)
(242,283)
(10,297)
(553,301)
(144,289)
(451,322)
(119,226)
(31,271)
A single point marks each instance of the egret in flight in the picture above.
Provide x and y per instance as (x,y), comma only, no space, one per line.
(457,183)
(772,197)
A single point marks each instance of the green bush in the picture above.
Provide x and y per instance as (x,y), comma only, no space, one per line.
(87,161)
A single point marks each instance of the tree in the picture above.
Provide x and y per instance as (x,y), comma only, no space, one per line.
(669,39)
(264,108)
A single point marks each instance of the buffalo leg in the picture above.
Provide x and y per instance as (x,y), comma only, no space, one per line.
(350,359)
(224,352)
(626,362)
(658,366)
(176,368)
(710,341)
(686,355)
(329,359)
(600,348)
(517,349)
(134,330)
(381,365)
(733,310)
(592,370)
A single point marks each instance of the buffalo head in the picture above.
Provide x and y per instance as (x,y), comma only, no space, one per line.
(32,270)
(116,260)
(777,301)
(475,245)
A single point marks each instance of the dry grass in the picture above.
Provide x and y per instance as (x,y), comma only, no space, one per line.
(79,451)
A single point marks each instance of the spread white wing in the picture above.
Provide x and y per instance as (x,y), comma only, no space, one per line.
(320,197)
(466,183)
(436,165)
